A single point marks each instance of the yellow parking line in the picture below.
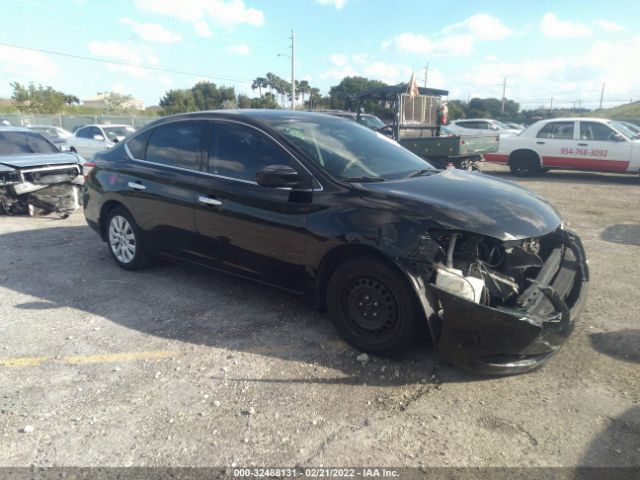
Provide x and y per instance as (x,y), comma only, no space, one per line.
(22,362)
(118,357)
(83,359)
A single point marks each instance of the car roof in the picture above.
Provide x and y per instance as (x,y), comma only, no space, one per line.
(476,120)
(105,125)
(14,129)
(262,115)
(574,119)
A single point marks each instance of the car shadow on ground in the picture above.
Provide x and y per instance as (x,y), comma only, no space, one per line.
(71,267)
(617,446)
(568,176)
(626,234)
(622,344)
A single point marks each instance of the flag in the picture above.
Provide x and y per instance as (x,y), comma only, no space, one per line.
(412,89)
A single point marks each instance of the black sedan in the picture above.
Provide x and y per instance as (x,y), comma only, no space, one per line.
(324,207)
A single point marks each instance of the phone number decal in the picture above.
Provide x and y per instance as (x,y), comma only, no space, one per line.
(587,152)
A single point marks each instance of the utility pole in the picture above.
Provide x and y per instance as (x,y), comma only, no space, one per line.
(551,104)
(601,95)
(293,81)
(504,90)
(426,74)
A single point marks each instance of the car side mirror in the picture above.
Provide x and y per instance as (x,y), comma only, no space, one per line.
(277,176)
(99,138)
(616,137)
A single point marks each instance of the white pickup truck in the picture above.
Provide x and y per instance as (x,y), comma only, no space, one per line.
(570,143)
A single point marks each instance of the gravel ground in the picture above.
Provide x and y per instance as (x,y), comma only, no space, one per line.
(177,366)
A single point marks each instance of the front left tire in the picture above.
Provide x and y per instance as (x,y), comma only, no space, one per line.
(373,307)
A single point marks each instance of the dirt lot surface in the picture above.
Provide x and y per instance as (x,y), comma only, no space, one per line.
(177,366)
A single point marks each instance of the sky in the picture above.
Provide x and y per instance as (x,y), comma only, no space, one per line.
(549,52)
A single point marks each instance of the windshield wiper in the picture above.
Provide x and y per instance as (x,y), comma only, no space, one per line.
(364,179)
(419,173)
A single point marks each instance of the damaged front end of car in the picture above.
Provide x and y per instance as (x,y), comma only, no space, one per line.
(40,190)
(499,306)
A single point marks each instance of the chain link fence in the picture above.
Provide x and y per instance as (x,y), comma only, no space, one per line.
(68,122)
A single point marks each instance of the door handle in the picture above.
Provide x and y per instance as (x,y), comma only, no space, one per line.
(583,144)
(209,201)
(136,186)
(540,143)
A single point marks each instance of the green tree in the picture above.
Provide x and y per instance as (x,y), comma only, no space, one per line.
(177,101)
(39,99)
(244,101)
(344,95)
(456,109)
(267,101)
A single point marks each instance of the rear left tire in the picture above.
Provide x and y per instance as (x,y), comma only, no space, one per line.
(124,240)
(524,164)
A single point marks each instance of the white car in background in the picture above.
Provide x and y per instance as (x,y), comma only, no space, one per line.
(570,144)
(91,139)
(479,126)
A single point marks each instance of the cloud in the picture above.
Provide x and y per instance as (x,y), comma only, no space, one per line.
(227,13)
(126,52)
(481,26)
(202,29)
(18,63)
(240,49)
(455,45)
(409,43)
(609,26)
(336,3)
(458,39)
(567,79)
(131,70)
(152,32)
(339,59)
(388,72)
(552,26)
(339,73)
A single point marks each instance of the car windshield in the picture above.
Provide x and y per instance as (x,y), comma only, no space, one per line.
(625,130)
(118,133)
(347,150)
(24,143)
(371,121)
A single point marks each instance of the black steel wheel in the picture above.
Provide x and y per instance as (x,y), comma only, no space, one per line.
(374,307)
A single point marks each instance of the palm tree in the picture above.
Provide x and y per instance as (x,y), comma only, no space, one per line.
(303,87)
(259,83)
(271,81)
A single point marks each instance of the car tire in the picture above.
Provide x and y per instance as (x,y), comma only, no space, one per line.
(124,240)
(524,164)
(373,307)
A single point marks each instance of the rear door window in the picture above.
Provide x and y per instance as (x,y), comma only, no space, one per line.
(562,130)
(138,145)
(177,144)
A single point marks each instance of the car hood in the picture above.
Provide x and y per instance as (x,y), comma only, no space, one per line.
(473,202)
(38,160)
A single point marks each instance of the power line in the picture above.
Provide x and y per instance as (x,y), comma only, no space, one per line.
(129,64)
